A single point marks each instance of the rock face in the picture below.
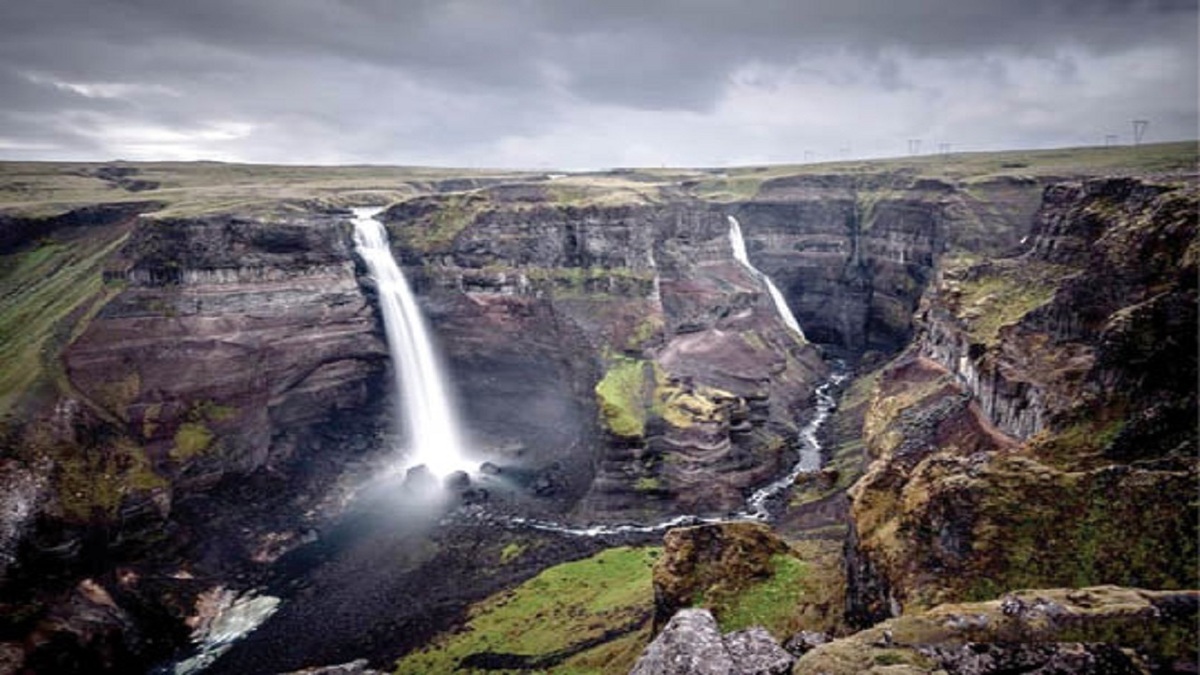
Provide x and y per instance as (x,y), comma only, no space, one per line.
(691,643)
(234,339)
(651,368)
(1025,442)
(854,253)
(1104,629)
(210,394)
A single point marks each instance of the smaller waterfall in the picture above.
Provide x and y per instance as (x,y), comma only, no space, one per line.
(424,401)
(739,254)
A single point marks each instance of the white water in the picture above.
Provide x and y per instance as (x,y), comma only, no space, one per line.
(756,503)
(238,617)
(739,254)
(424,401)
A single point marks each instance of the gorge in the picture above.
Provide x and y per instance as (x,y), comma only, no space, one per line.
(988,385)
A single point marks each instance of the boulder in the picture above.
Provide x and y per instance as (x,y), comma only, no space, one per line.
(692,644)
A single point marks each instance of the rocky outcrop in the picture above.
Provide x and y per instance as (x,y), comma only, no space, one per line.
(691,643)
(1103,629)
(1013,447)
(714,563)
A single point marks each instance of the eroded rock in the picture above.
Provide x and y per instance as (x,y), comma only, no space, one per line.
(691,644)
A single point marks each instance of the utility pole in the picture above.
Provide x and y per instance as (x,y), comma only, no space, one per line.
(943,149)
(1110,140)
(914,146)
(1139,130)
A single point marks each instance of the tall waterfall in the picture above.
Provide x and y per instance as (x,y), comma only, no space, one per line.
(739,254)
(424,402)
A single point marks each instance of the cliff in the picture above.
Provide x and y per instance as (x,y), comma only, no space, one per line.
(1025,441)
(194,384)
(650,366)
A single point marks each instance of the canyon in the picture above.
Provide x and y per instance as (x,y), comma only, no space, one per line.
(198,409)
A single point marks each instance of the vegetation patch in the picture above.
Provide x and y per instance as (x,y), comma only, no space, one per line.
(191,439)
(587,616)
(993,295)
(43,288)
(512,551)
(91,483)
(770,603)
(621,395)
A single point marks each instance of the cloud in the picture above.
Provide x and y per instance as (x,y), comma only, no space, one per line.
(581,84)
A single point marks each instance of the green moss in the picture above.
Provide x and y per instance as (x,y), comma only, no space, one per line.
(647,329)
(191,439)
(993,296)
(647,484)
(91,483)
(45,288)
(454,213)
(511,551)
(621,395)
(1045,528)
(564,606)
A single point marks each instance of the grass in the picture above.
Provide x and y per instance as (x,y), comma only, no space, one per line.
(553,614)
(772,602)
(193,188)
(41,288)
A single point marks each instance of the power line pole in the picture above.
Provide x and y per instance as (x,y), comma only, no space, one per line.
(1110,140)
(1139,130)
(943,149)
(914,146)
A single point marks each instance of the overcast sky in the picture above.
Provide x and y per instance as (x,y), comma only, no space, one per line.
(575,84)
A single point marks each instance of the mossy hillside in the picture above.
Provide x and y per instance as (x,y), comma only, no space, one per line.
(600,283)
(90,482)
(943,521)
(586,616)
(42,290)
(990,296)
(1039,527)
(198,433)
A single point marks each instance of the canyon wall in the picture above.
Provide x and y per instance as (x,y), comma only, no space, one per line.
(1041,431)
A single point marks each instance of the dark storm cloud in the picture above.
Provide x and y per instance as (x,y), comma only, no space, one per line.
(485,81)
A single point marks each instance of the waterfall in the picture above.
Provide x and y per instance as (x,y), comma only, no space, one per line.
(424,402)
(739,253)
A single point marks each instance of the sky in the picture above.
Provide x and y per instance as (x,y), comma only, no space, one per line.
(575,84)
